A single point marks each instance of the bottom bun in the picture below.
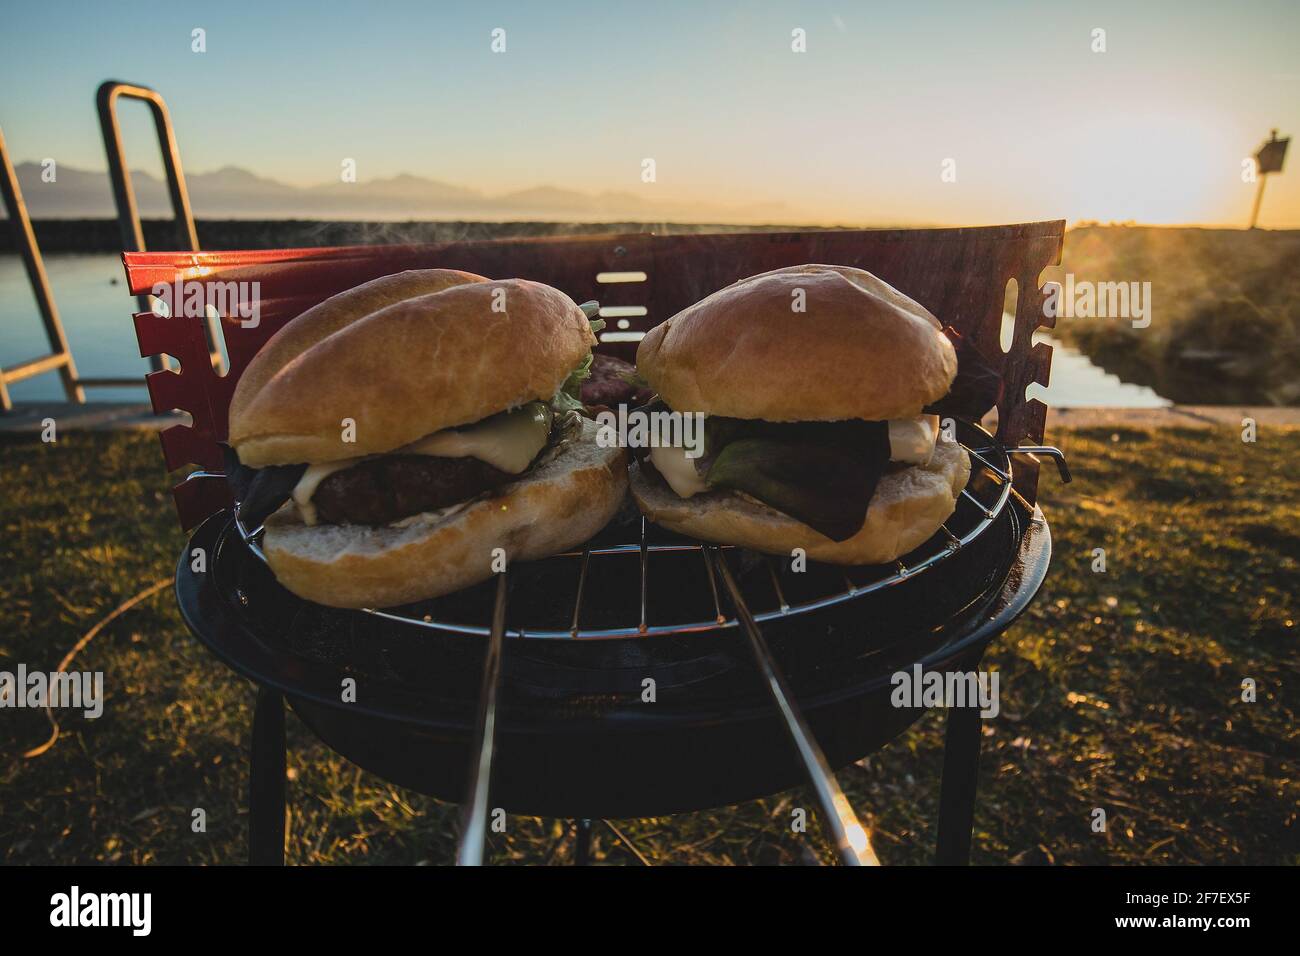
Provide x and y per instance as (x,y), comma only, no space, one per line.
(907,508)
(556,506)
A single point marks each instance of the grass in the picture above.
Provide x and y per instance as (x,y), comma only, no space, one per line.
(1121,690)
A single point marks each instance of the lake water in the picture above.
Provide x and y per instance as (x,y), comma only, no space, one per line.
(91,295)
(1077,383)
(96,319)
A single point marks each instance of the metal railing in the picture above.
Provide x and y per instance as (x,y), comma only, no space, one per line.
(132,232)
(59,358)
(128,214)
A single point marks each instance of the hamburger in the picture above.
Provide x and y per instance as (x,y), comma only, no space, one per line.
(396,435)
(814,381)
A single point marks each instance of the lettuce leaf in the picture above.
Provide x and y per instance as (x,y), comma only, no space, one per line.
(569,397)
(820,473)
(822,487)
(635,380)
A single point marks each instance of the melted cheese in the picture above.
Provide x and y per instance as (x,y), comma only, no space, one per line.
(508,442)
(911,440)
(678,470)
(310,481)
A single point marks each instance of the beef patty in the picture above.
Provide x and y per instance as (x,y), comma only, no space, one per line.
(390,487)
(608,384)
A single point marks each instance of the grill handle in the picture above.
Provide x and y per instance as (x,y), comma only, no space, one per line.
(1058,456)
(474,811)
(850,837)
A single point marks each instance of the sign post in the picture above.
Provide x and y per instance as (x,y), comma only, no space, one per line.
(1268,160)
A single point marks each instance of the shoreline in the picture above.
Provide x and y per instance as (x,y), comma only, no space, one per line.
(27,417)
(93,235)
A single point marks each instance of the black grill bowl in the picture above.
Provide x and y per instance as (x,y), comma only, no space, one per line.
(574,737)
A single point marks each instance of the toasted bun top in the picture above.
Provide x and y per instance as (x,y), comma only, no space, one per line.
(412,368)
(859,349)
(325,318)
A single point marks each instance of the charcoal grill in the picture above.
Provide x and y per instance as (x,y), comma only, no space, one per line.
(528,692)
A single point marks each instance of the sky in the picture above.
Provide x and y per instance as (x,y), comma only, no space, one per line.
(856,130)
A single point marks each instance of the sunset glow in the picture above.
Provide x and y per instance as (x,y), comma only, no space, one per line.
(741,126)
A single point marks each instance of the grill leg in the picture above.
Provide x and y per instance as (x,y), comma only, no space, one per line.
(582,852)
(266,782)
(961,762)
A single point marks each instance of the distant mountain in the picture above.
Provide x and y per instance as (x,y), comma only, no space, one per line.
(235,193)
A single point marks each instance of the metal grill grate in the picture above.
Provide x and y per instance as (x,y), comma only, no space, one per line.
(822,586)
